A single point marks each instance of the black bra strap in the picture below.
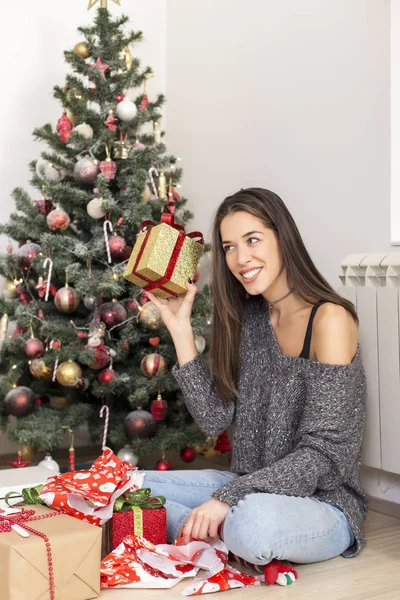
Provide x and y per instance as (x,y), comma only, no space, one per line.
(305,353)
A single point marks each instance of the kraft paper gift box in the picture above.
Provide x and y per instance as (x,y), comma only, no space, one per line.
(164,257)
(76,556)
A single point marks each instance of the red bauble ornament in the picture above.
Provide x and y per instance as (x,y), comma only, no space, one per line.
(27,252)
(44,206)
(108,168)
(158,408)
(101,357)
(111,121)
(196,276)
(139,423)
(117,246)
(24,297)
(126,253)
(163,465)
(223,444)
(9,249)
(57,220)
(112,313)
(55,344)
(143,298)
(66,299)
(131,305)
(106,376)
(34,348)
(188,455)
(153,364)
(144,102)
(19,401)
(120,97)
(64,127)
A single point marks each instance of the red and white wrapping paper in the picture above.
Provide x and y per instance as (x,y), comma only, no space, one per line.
(90,495)
(137,563)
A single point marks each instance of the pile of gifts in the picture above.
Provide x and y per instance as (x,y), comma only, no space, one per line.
(114,517)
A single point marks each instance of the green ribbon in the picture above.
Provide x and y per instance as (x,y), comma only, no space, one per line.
(29,495)
(129,501)
(138,499)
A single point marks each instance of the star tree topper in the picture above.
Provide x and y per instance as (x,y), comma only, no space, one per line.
(103,3)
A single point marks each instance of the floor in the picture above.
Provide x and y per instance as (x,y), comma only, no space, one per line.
(375,573)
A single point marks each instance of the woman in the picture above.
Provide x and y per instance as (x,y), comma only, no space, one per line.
(286,369)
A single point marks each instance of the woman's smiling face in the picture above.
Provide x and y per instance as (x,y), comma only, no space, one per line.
(251,251)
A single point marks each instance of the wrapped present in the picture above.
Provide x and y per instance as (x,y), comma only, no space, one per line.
(90,494)
(136,513)
(164,257)
(48,554)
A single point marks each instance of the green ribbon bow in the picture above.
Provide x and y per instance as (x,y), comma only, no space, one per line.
(139,498)
(29,495)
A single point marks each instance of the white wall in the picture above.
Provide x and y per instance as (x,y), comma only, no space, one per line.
(292,96)
(33,37)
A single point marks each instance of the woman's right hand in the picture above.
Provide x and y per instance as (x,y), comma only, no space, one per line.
(176,312)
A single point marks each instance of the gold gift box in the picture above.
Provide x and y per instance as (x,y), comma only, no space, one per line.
(152,261)
(76,550)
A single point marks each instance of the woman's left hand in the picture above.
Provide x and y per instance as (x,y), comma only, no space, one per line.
(204,521)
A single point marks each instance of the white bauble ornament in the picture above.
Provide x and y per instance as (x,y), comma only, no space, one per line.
(49,463)
(40,165)
(126,454)
(94,209)
(84,130)
(126,110)
(52,173)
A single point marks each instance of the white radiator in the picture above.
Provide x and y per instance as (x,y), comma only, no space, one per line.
(372,283)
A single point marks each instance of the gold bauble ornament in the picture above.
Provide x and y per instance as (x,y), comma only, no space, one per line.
(150,316)
(69,373)
(39,370)
(28,452)
(10,289)
(81,49)
(162,186)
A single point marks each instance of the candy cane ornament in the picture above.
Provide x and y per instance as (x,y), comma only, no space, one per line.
(107,418)
(48,281)
(106,224)
(55,345)
(153,185)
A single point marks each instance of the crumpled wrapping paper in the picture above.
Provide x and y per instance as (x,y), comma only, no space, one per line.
(136,563)
(90,494)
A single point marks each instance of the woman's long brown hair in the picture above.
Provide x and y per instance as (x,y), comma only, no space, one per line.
(229,295)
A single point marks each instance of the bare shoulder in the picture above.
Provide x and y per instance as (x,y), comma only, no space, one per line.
(335,335)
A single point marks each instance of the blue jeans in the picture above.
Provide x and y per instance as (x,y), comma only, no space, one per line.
(261,526)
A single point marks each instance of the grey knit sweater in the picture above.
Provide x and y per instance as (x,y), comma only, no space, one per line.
(299,423)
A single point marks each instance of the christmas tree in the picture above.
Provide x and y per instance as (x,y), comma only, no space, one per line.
(85,336)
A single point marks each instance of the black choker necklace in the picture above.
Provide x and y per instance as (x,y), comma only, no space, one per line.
(271,304)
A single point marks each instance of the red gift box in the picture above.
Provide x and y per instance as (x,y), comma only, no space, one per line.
(148,521)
